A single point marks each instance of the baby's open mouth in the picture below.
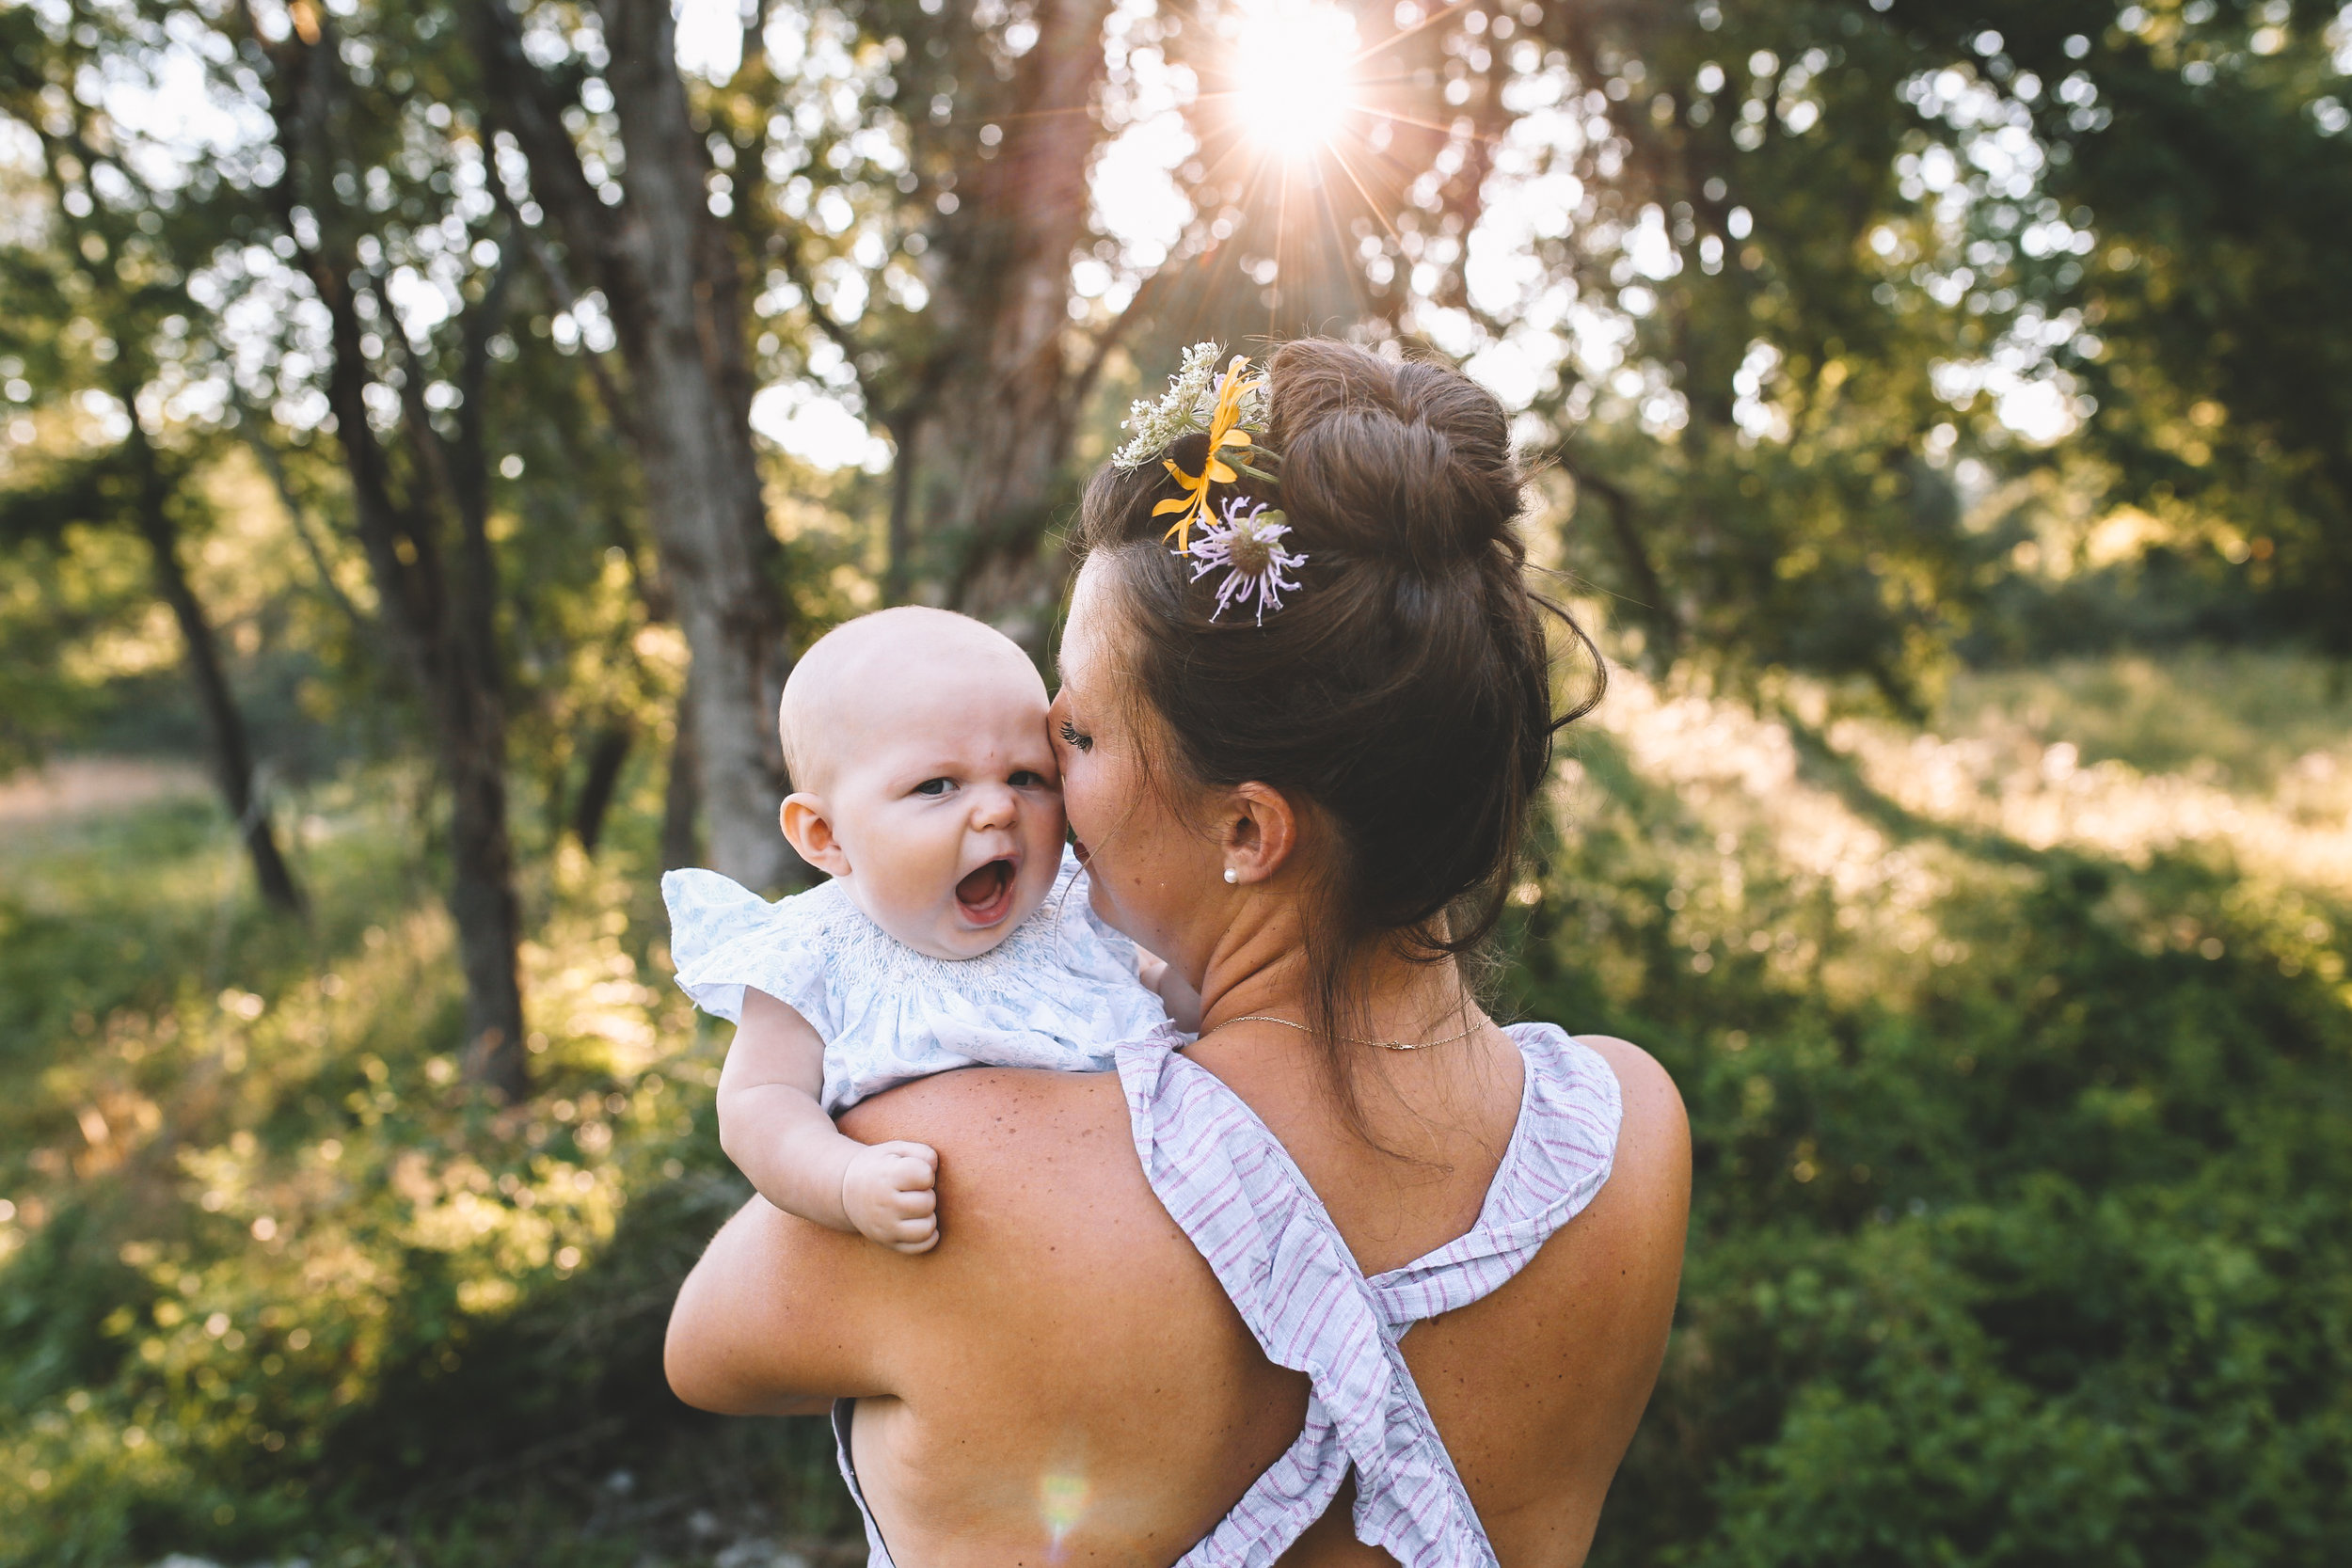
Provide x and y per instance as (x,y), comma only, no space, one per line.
(985,895)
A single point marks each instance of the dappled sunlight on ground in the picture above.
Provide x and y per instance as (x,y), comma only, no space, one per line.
(1883,819)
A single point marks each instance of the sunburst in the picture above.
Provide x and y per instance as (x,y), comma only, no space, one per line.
(1295,75)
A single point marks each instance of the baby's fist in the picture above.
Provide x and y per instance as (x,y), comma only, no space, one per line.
(889,1194)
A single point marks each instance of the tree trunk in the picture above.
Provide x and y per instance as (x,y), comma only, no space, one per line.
(482,897)
(682,796)
(607,755)
(233,752)
(481,839)
(440,644)
(991,435)
(441,630)
(1649,590)
(667,270)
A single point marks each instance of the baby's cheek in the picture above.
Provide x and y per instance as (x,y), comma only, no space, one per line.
(914,871)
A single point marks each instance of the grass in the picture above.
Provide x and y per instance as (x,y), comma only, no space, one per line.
(2018,1049)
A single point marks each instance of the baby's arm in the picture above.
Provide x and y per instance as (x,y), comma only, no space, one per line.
(773,1126)
(1159,977)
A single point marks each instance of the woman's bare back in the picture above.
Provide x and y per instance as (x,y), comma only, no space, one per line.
(1535,1388)
(1060,1378)
(1063,1377)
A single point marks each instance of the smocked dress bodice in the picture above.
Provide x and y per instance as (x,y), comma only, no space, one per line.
(1052,995)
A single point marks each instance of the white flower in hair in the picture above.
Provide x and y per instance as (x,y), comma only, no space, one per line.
(1248,544)
(1188,405)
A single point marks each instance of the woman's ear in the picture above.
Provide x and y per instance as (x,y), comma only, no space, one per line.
(1261,833)
(810,834)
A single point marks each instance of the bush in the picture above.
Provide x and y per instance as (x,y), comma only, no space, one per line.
(2018,1235)
(278,1283)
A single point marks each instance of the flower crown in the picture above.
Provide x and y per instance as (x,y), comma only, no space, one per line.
(1228,408)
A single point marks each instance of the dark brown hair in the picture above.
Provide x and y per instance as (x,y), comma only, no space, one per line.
(1403,692)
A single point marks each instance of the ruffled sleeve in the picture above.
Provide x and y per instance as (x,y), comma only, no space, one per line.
(723,937)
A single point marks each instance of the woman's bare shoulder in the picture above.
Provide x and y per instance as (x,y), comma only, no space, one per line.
(1016,1141)
(1650,1180)
(1539,1387)
(1060,1282)
(1043,1207)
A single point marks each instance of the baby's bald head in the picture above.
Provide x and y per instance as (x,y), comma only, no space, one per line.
(880,671)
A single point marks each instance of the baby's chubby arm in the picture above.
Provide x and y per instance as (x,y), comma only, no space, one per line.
(773,1126)
(1160,978)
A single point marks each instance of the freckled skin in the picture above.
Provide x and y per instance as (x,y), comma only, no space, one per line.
(1065,1356)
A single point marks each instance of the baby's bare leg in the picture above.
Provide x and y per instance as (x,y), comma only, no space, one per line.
(773,1126)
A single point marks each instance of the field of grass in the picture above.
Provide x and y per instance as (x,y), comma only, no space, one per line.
(2018,1049)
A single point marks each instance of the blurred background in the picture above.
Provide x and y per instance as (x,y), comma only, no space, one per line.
(428,429)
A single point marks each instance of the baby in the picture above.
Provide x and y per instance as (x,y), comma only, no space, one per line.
(955,930)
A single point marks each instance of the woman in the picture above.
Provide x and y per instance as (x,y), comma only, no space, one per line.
(1151,1333)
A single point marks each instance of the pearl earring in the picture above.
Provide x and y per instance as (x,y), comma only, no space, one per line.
(1231,876)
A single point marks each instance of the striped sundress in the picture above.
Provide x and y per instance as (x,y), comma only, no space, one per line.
(1229,1184)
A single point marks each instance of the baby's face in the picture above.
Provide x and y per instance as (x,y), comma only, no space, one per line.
(947,805)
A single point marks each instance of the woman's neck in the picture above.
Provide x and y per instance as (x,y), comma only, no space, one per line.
(1260,970)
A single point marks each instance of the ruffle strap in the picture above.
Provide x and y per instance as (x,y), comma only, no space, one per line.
(1229,1184)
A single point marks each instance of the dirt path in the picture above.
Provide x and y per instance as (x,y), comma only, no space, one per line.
(73,787)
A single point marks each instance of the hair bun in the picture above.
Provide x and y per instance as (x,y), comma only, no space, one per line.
(1407,461)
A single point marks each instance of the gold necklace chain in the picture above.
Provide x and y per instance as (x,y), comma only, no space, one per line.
(1349,1040)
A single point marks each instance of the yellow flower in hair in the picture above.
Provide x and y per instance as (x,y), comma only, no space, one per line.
(1224,432)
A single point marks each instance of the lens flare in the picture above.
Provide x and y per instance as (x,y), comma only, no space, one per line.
(1294,73)
(1062,1500)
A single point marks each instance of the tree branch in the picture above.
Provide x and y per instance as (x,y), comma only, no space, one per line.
(566,300)
(249,423)
(1638,564)
(838,334)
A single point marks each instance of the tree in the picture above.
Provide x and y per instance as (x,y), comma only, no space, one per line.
(97,261)
(927,203)
(667,274)
(426,540)
(154,490)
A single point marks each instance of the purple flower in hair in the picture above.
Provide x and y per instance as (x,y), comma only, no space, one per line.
(1249,545)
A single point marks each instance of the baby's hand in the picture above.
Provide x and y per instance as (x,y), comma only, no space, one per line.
(1182,1002)
(888,1192)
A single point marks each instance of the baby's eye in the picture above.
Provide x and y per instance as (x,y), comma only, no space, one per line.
(934,786)
(1072,738)
(1023,778)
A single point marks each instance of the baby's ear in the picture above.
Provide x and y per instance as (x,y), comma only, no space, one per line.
(810,834)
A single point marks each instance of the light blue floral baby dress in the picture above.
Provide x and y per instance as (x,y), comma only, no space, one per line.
(1059,993)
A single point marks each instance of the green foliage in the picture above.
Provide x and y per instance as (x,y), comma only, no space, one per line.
(2016,1237)
(2016,1049)
(1872,227)
(275,1280)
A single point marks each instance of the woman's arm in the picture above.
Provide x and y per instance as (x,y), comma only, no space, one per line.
(777,1319)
